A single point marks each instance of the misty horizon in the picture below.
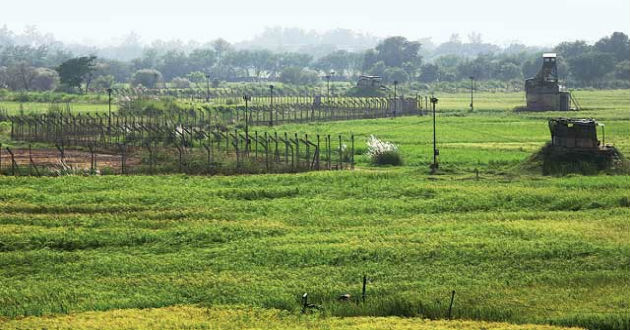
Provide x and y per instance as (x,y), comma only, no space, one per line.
(498,22)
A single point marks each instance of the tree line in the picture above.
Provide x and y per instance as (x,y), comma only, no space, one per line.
(606,63)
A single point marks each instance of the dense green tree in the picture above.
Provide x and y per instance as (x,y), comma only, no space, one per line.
(339,61)
(531,67)
(429,73)
(378,69)
(508,71)
(103,82)
(395,51)
(173,64)
(592,66)
(179,82)
(261,61)
(146,77)
(369,60)
(19,75)
(75,71)
(201,60)
(44,80)
(395,74)
(617,44)
(196,76)
(572,49)
(121,71)
(297,75)
(622,70)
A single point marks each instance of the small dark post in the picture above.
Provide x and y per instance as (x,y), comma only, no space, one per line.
(364,288)
(304,302)
(30,164)
(395,96)
(328,77)
(92,159)
(450,307)
(352,153)
(271,107)
(123,167)
(109,110)
(318,152)
(472,88)
(340,155)
(246,98)
(436,152)
(207,87)
(13,163)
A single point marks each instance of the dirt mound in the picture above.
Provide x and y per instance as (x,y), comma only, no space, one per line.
(552,160)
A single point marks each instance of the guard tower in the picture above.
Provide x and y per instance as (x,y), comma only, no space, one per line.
(544,91)
(574,133)
(369,81)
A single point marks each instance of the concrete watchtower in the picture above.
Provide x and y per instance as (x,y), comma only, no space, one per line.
(544,91)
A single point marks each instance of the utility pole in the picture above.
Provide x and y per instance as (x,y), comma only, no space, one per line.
(436,152)
(472,88)
(109,110)
(271,108)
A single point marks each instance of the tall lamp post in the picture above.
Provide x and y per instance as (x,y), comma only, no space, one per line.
(271,108)
(109,110)
(207,87)
(472,88)
(436,152)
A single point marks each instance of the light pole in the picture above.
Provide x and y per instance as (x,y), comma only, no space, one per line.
(207,87)
(395,96)
(109,109)
(472,88)
(436,152)
(271,108)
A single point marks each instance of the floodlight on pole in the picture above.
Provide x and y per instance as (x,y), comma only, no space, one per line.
(436,152)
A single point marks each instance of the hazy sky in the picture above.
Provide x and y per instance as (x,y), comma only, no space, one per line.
(534,22)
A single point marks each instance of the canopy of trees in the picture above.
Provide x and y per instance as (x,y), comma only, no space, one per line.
(41,64)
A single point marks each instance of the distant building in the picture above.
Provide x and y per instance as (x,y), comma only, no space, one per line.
(369,81)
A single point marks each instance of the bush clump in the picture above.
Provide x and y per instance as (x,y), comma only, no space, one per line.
(382,152)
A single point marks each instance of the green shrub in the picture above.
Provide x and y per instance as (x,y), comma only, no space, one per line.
(383,152)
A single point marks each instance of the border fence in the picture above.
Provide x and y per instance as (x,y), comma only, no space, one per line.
(140,144)
(270,111)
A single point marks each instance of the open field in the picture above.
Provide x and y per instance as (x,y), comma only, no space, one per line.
(223,252)
(179,317)
(14,108)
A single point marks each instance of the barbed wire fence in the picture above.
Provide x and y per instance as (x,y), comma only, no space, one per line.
(159,144)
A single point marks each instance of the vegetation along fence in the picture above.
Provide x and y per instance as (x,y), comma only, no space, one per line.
(141,144)
(269,111)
